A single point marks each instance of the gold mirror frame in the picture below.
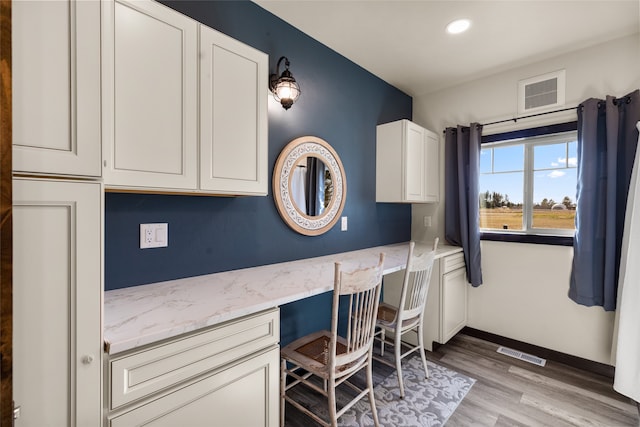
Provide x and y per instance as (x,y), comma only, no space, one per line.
(299,148)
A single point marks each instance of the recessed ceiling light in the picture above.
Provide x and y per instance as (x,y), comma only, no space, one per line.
(458,26)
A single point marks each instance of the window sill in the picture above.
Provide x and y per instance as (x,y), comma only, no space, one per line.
(527,238)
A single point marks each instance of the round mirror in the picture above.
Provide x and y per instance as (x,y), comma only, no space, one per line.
(309,185)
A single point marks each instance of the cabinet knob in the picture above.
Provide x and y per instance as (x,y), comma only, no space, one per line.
(87,359)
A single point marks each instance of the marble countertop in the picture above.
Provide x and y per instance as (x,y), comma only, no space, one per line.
(144,314)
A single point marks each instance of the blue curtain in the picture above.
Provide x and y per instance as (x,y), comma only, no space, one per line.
(607,141)
(462,210)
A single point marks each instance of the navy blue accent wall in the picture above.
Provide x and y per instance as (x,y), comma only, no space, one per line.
(340,102)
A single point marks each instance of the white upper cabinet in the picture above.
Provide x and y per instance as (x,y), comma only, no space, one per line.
(233,115)
(169,126)
(406,163)
(432,147)
(56,87)
(150,88)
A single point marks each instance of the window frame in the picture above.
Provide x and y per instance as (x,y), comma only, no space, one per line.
(529,234)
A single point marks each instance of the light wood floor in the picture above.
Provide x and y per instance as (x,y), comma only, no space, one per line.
(510,392)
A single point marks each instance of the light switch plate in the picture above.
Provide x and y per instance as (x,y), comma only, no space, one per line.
(343,224)
(154,235)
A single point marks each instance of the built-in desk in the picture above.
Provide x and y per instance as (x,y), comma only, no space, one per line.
(183,349)
(145,314)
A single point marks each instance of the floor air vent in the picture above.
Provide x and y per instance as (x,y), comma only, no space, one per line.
(522,356)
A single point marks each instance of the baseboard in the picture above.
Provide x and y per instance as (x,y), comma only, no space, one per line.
(556,356)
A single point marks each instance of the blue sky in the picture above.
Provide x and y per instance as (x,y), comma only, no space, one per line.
(554,172)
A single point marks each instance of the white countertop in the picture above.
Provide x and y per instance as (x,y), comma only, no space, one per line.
(144,314)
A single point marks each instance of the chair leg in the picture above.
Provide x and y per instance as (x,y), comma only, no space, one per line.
(398,351)
(382,338)
(372,398)
(283,384)
(422,355)
(333,413)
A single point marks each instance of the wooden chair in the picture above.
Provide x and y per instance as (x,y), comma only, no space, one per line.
(409,315)
(333,358)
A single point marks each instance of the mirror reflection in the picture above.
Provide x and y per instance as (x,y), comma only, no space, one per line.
(311,186)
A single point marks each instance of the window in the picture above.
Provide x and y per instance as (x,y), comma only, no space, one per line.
(528,184)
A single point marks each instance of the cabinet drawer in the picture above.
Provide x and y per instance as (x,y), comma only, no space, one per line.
(244,394)
(156,368)
(452,262)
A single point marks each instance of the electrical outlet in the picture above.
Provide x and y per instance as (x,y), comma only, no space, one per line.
(154,235)
(148,235)
(426,221)
(343,224)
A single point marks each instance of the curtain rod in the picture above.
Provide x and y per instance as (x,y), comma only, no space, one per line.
(626,99)
(515,119)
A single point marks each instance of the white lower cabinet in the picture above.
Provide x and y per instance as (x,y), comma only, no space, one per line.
(243,394)
(453,297)
(57,302)
(226,375)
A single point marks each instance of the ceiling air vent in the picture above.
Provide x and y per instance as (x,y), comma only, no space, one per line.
(541,92)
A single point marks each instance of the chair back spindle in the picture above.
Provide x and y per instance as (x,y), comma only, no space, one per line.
(416,283)
(363,290)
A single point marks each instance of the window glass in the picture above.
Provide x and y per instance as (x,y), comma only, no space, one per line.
(530,186)
(573,154)
(508,159)
(486,165)
(550,156)
(501,201)
(554,186)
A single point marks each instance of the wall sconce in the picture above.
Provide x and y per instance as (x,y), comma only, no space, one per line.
(285,89)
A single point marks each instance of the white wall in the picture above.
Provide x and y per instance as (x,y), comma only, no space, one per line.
(524,295)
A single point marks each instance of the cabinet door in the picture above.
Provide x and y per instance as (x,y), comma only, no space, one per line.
(453,310)
(57,302)
(56,87)
(414,158)
(233,115)
(432,167)
(244,395)
(150,96)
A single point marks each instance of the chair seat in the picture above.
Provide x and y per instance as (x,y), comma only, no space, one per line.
(387,318)
(312,351)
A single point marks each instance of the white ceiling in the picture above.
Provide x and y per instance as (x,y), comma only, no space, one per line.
(405,43)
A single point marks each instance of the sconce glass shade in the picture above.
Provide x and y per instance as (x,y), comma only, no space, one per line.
(285,89)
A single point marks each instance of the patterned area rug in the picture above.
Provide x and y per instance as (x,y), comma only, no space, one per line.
(427,402)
